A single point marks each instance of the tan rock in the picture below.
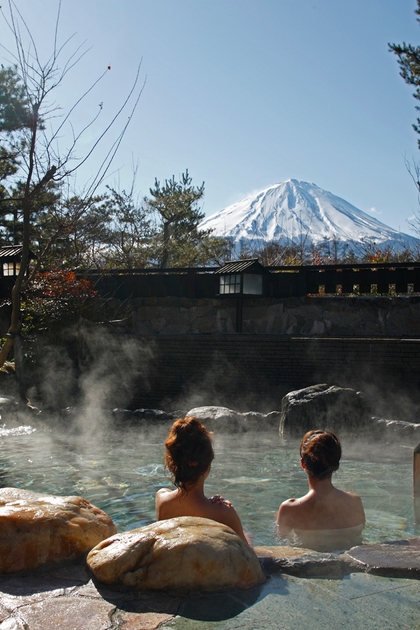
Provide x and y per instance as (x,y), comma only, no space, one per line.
(181,554)
(38,528)
(281,551)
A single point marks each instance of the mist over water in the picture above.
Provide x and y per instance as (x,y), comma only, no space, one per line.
(95,369)
(223,384)
(120,468)
(100,367)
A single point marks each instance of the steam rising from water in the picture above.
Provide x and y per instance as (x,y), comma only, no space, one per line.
(224,384)
(112,366)
(119,467)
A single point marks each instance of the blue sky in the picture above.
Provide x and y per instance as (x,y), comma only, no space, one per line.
(248,93)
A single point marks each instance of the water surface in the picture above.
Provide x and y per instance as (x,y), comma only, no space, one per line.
(120,468)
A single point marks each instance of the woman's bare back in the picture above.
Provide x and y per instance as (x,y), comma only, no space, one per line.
(334,509)
(173,503)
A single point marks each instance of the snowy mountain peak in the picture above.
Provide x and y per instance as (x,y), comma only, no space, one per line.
(295,211)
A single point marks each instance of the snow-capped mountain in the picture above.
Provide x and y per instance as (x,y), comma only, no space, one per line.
(297,212)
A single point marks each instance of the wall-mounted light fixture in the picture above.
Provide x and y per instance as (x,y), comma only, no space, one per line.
(240,278)
(10,259)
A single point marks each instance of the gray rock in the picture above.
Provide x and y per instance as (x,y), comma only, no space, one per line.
(324,406)
(396,431)
(8,402)
(402,429)
(122,415)
(397,559)
(272,419)
(221,419)
(253,420)
(152,416)
(303,562)
(9,407)
(211,412)
(224,420)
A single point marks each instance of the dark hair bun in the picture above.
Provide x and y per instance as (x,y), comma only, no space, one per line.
(321,453)
(189,451)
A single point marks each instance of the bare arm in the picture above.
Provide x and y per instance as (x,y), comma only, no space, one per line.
(285,517)
(159,501)
(229,517)
(358,508)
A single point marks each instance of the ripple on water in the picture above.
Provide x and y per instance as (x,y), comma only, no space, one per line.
(23,430)
(120,471)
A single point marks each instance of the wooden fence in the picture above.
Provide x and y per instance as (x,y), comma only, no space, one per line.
(278,282)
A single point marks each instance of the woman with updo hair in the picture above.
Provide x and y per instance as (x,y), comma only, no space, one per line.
(326,519)
(189,454)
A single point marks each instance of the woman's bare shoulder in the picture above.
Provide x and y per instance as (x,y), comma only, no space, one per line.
(354,496)
(163,495)
(221,507)
(290,502)
(163,500)
(351,498)
(357,506)
(163,492)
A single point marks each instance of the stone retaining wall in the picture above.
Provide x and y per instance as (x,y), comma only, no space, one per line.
(189,354)
(308,316)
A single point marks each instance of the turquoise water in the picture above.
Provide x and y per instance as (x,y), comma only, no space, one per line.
(120,468)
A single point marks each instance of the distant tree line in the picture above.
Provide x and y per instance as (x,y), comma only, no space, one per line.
(328,252)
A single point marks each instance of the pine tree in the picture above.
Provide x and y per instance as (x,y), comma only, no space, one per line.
(14,117)
(181,242)
(409,62)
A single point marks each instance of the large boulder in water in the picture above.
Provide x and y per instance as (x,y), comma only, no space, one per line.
(38,528)
(181,554)
(220,418)
(224,420)
(324,406)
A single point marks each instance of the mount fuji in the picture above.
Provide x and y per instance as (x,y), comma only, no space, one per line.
(296,212)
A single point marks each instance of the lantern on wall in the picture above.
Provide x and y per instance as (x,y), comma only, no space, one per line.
(10,259)
(240,278)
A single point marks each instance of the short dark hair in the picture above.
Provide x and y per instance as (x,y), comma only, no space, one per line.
(321,453)
(189,451)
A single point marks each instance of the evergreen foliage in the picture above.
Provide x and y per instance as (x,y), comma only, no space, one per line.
(14,106)
(129,242)
(409,62)
(180,242)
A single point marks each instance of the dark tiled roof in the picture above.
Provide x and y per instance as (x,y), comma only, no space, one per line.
(237,266)
(7,251)
(12,251)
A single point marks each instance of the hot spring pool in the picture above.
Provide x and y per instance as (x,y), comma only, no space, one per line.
(119,469)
